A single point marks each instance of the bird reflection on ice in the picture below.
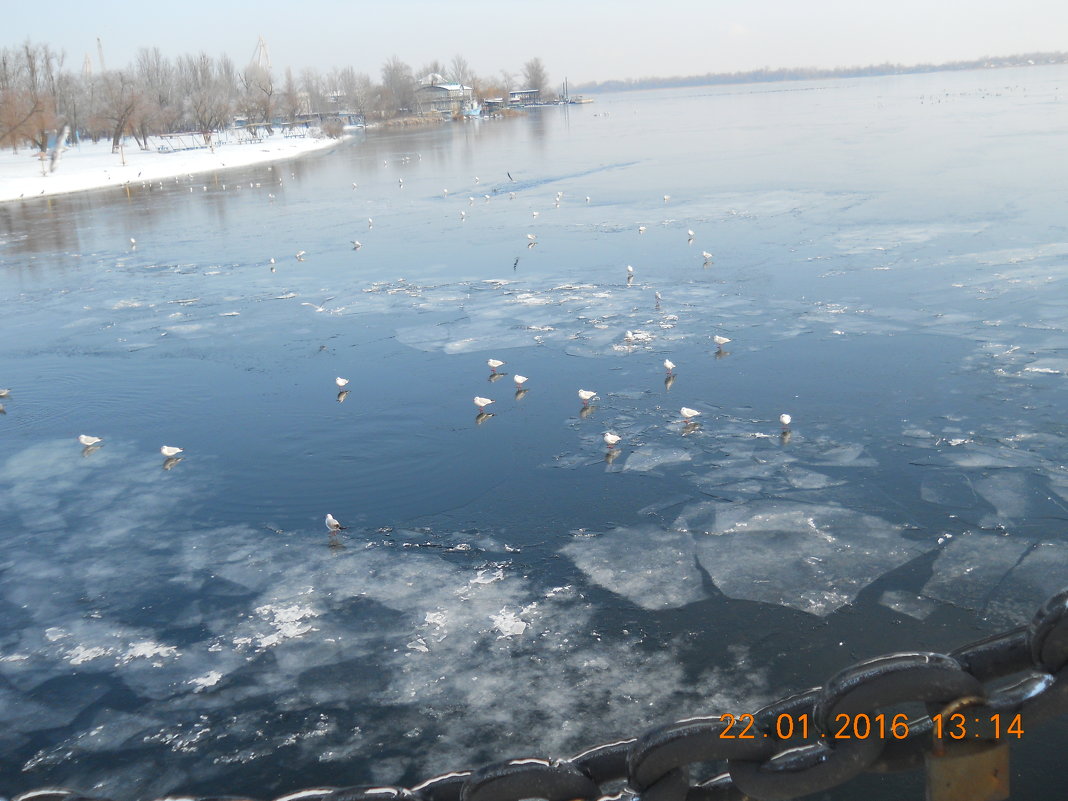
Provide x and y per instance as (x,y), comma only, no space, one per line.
(171,461)
(482,417)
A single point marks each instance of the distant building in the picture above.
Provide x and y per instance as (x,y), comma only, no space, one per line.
(436,96)
(524,97)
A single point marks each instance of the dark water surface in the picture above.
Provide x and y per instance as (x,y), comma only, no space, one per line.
(889,260)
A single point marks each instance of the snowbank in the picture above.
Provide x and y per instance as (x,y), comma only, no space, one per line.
(93,166)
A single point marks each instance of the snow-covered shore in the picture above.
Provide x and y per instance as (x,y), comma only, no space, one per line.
(93,165)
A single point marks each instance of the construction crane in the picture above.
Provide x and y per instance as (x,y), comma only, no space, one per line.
(100,53)
(260,56)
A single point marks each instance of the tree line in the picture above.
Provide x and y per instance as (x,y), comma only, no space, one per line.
(768,74)
(40,95)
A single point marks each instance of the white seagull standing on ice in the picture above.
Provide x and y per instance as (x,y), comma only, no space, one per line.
(356,245)
(332,525)
(688,413)
(341,382)
(611,439)
(4,393)
(720,341)
(494,364)
(669,365)
(532,237)
(482,403)
(88,441)
(520,380)
(785,419)
(706,256)
(170,450)
(641,229)
(586,395)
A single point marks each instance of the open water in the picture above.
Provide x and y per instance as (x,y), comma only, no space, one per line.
(889,261)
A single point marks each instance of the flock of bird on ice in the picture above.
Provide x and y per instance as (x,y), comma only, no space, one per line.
(171,453)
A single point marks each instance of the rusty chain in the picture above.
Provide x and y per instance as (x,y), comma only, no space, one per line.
(802,744)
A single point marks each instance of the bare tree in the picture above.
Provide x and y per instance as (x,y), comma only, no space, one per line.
(208,93)
(119,97)
(314,89)
(434,67)
(356,89)
(289,103)
(258,95)
(460,71)
(29,78)
(158,112)
(398,87)
(535,77)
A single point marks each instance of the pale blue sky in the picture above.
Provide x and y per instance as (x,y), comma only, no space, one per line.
(582,40)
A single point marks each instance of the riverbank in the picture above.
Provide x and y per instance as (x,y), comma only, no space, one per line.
(93,165)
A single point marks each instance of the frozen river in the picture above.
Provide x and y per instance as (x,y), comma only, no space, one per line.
(889,258)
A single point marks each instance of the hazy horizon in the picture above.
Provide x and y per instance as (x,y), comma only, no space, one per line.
(594,41)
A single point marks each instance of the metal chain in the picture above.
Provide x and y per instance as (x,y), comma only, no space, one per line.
(802,744)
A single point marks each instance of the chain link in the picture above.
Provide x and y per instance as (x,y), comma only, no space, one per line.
(793,747)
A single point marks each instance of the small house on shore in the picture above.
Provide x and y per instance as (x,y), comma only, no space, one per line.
(436,96)
(524,97)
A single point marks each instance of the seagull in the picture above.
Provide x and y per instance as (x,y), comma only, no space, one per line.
(170,450)
(520,380)
(332,525)
(586,396)
(370,222)
(476,179)
(785,419)
(353,184)
(341,382)
(535,214)
(494,364)
(630,271)
(690,233)
(720,341)
(400,183)
(641,229)
(611,439)
(87,440)
(463,216)
(444,192)
(667,198)
(299,255)
(4,393)
(687,413)
(133,242)
(482,403)
(356,244)
(532,237)
(669,365)
(706,256)
(587,200)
